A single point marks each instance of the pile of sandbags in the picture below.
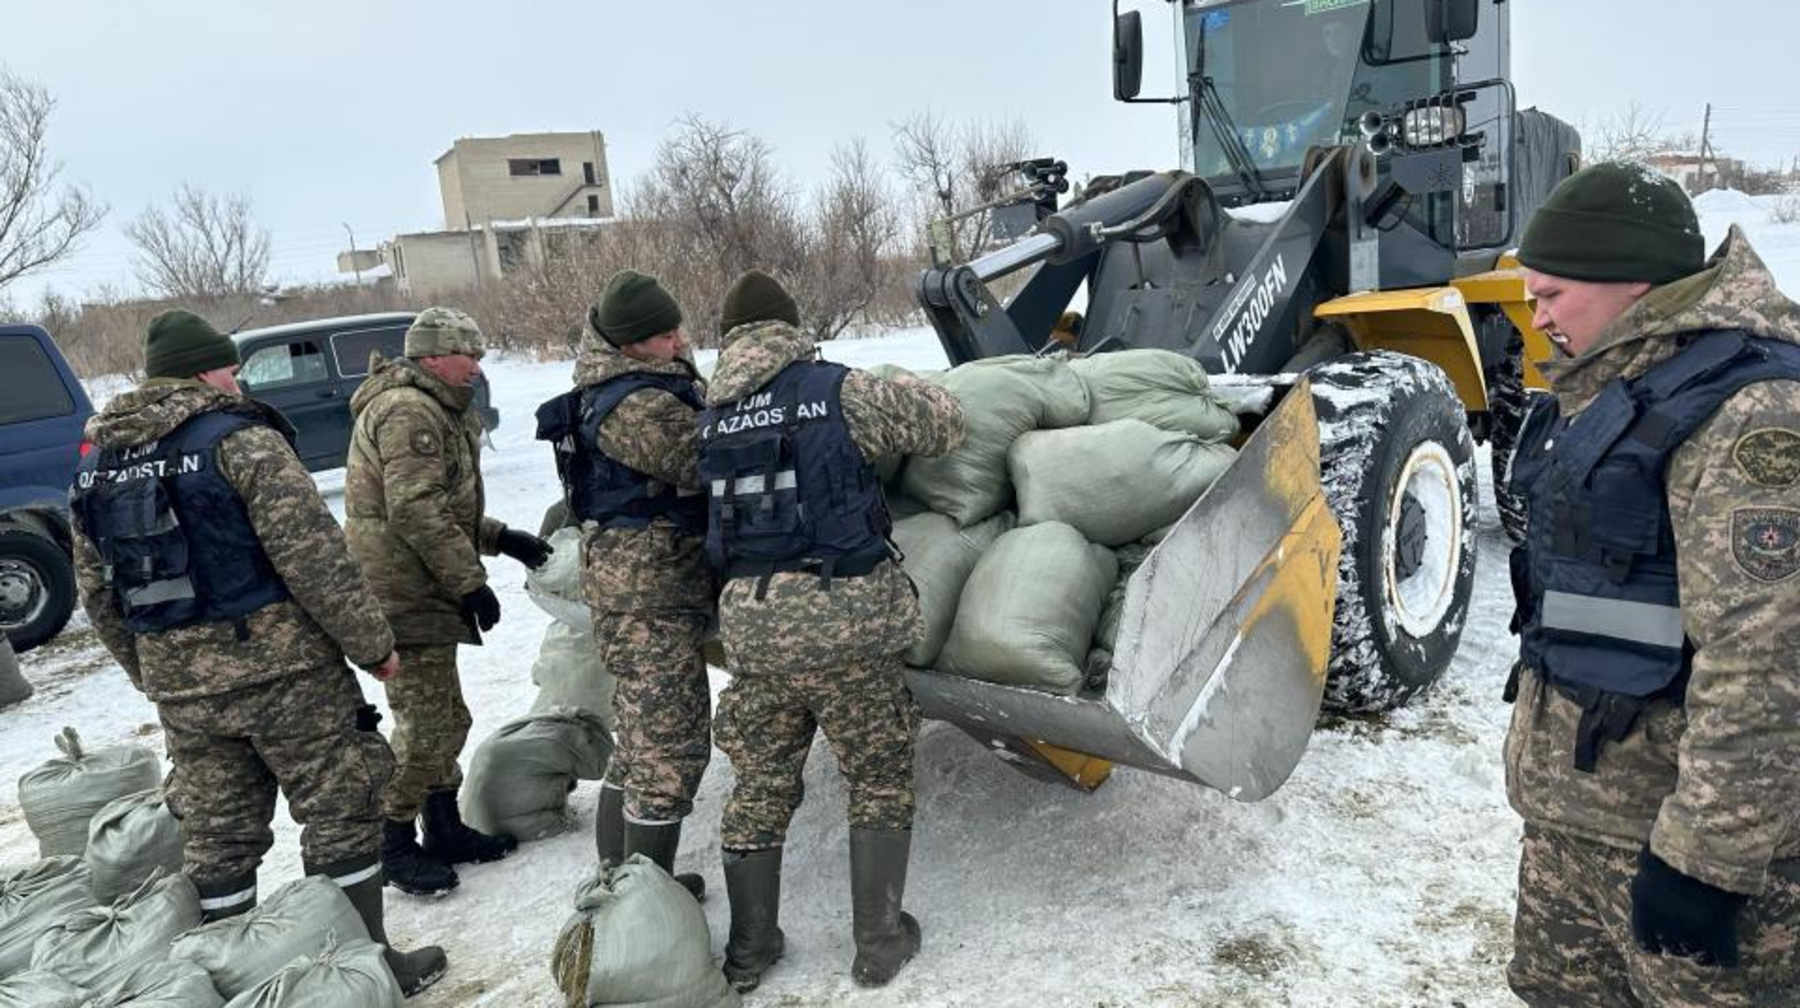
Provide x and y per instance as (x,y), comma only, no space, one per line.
(637,938)
(302,918)
(128,839)
(174,983)
(1115,482)
(349,972)
(35,898)
(39,989)
(1167,390)
(60,796)
(100,946)
(568,671)
(519,780)
(939,557)
(1002,398)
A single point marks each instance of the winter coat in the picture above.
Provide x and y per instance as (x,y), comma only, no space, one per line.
(657,567)
(1714,784)
(413,500)
(330,614)
(796,626)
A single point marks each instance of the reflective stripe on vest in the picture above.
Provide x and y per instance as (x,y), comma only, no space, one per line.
(1642,622)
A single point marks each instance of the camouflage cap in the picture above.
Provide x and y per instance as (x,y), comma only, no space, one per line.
(440,332)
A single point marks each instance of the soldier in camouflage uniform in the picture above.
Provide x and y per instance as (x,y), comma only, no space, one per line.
(1654,750)
(625,452)
(238,635)
(413,507)
(815,615)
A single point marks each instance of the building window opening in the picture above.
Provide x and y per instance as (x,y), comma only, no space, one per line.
(587,172)
(593,206)
(533,166)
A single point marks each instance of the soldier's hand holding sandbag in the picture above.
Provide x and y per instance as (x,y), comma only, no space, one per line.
(523,547)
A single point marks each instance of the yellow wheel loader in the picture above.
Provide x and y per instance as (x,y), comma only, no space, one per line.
(1334,244)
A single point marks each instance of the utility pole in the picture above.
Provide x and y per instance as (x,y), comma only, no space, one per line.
(1705,135)
(355,264)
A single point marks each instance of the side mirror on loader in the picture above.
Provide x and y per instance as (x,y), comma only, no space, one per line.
(1128,54)
(1451,20)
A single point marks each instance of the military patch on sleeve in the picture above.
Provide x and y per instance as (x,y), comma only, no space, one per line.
(1769,457)
(424,442)
(1765,542)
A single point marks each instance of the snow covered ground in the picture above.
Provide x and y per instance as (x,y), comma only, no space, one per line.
(1382,874)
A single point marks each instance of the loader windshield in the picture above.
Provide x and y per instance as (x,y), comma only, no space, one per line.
(1281,73)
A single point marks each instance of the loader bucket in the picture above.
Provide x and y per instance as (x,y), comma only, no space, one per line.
(1220,662)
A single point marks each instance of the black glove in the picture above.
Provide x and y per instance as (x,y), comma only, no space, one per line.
(482,607)
(524,547)
(1675,914)
(367,717)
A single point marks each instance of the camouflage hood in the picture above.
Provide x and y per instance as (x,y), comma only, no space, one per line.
(753,356)
(404,372)
(1734,291)
(160,405)
(600,361)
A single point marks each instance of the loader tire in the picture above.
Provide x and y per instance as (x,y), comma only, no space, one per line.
(1508,401)
(1397,465)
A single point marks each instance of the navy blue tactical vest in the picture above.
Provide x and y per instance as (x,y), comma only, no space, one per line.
(1598,601)
(137,504)
(599,488)
(789,488)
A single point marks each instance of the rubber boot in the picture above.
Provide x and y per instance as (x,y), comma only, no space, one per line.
(407,867)
(415,970)
(886,936)
(609,826)
(658,843)
(447,839)
(753,885)
(220,900)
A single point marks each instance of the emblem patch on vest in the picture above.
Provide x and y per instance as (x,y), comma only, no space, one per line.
(1765,542)
(424,443)
(1769,457)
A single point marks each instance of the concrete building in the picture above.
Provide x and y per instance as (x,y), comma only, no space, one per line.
(1695,173)
(506,200)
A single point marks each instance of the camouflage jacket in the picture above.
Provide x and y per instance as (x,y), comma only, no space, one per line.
(413,500)
(632,570)
(1713,785)
(331,613)
(796,626)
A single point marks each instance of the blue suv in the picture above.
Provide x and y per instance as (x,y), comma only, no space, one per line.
(42,411)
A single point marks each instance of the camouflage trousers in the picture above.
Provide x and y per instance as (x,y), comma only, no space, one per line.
(661,706)
(766,726)
(431,723)
(1572,943)
(231,752)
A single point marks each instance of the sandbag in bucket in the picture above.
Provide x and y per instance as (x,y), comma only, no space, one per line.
(1165,389)
(62,795)
(939,558)
(1113,483)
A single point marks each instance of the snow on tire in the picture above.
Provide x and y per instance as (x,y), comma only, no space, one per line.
(1397,465)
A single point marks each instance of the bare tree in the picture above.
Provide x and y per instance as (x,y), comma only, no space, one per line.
(953,169)
(39,224)
(1631,136)
(205,246)
(855,229)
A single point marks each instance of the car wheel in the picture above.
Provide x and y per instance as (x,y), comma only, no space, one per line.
(37,587)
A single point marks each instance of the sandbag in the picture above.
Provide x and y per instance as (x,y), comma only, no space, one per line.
(14,687)
(173,983)
(518,782)
(1164,389)
(556,586)
(637,938)
(1029,609)
(568,673)
(39,989)
(129,838)
(939,559)
(60,796)
(299,919)
(100,946)
(1131,556)
(345,973)
(1112,483)
(33,899)
(1002,398)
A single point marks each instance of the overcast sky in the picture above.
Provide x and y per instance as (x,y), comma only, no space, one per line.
(334,116)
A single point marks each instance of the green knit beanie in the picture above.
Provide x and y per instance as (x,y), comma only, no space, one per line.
(1615,223)
(180,344)
(633,307)
(757,297)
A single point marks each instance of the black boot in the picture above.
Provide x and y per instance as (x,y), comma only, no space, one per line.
(446,838)
(753,885)
(415,970)
(228,898)
(609,826)
(886,936)
(659,843)
(407,868)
